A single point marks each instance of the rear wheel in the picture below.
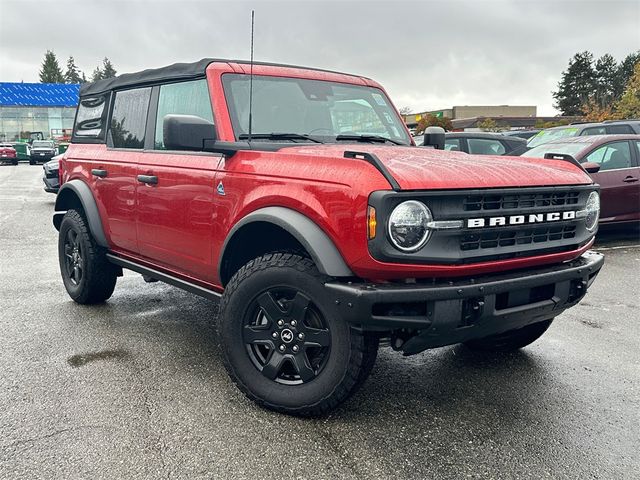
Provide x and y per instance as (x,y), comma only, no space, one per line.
(283,344)
(511,340)
(87,274)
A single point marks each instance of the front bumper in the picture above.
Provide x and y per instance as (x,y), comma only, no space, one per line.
(446,312)
(41,156)
(51,184)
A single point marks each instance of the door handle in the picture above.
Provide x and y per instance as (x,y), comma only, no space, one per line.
(148,179)
(629,179)
(97,172)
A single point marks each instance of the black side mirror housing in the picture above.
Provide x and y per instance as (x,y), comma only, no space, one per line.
(591,167)
(434,137)
(187,132)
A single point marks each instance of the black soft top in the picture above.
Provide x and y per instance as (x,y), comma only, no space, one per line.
(177,71)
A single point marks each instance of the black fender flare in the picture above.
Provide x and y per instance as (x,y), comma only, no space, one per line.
(315,241)
(81,190)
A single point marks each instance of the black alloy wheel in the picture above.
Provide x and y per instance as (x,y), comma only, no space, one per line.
(286,336)
(73,256)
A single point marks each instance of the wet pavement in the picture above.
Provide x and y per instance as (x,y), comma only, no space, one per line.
(135,388)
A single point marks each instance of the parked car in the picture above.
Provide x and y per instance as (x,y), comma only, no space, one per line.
(480,143)
(619,175)
(614,127)
(8,153)
(320,242)
(42,151)
(526,134)
(50,177)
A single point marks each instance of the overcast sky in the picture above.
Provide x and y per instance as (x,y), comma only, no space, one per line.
(428,54)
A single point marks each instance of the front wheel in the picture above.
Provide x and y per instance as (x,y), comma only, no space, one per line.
(283,344)
(511,340)
(87,274)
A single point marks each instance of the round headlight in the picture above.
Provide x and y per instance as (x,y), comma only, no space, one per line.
(408,228)
(593,211)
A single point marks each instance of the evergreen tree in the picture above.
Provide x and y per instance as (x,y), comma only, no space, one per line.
(96,75)
(629,104)
(577,84)
(108,70)
(625,71)
(72,75)
(606,79)
(50,71)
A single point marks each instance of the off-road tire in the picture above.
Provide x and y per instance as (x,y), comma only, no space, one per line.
(511,340)
(98,276)
(350,357)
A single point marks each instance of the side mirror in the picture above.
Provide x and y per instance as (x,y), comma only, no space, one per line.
(434,137)
(591,167)
(186,132)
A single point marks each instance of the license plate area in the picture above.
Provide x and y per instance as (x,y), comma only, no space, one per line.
(525,296)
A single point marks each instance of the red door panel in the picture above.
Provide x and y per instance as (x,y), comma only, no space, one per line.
(114,192)
(175,216)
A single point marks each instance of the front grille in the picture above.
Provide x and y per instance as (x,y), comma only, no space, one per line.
(509,238)
(518,201)
(516,223)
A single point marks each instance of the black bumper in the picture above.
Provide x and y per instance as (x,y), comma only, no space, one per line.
(444,313)
(36,157)
(51,184)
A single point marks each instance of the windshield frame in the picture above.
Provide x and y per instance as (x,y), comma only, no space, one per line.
(238,132)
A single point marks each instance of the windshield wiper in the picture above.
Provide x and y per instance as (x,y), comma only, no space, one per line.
(369,138)
(279,136)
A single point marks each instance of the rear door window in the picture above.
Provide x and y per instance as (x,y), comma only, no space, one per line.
(452,145)
(129,118)
(594,131)
(612,156)
(185,98)
(619,129)
(484,146)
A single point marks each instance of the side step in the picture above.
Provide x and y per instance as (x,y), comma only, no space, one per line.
(164,277)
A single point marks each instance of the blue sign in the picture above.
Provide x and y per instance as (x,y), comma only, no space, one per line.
(39,94)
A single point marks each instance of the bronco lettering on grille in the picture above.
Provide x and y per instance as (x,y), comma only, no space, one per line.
(520,219)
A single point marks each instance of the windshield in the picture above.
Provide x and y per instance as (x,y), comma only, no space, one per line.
(545,136)
(323,110)
(564,148)
(42,144)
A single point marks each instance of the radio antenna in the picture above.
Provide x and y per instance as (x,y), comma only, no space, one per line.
(251,79)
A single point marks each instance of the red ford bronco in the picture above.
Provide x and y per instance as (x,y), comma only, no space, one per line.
(298,197)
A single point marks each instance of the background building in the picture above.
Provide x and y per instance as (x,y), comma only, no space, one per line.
(26,108)
(476,111)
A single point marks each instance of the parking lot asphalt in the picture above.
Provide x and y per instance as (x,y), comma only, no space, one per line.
(135,388)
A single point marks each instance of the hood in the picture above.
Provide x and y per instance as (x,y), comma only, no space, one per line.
(416,168)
